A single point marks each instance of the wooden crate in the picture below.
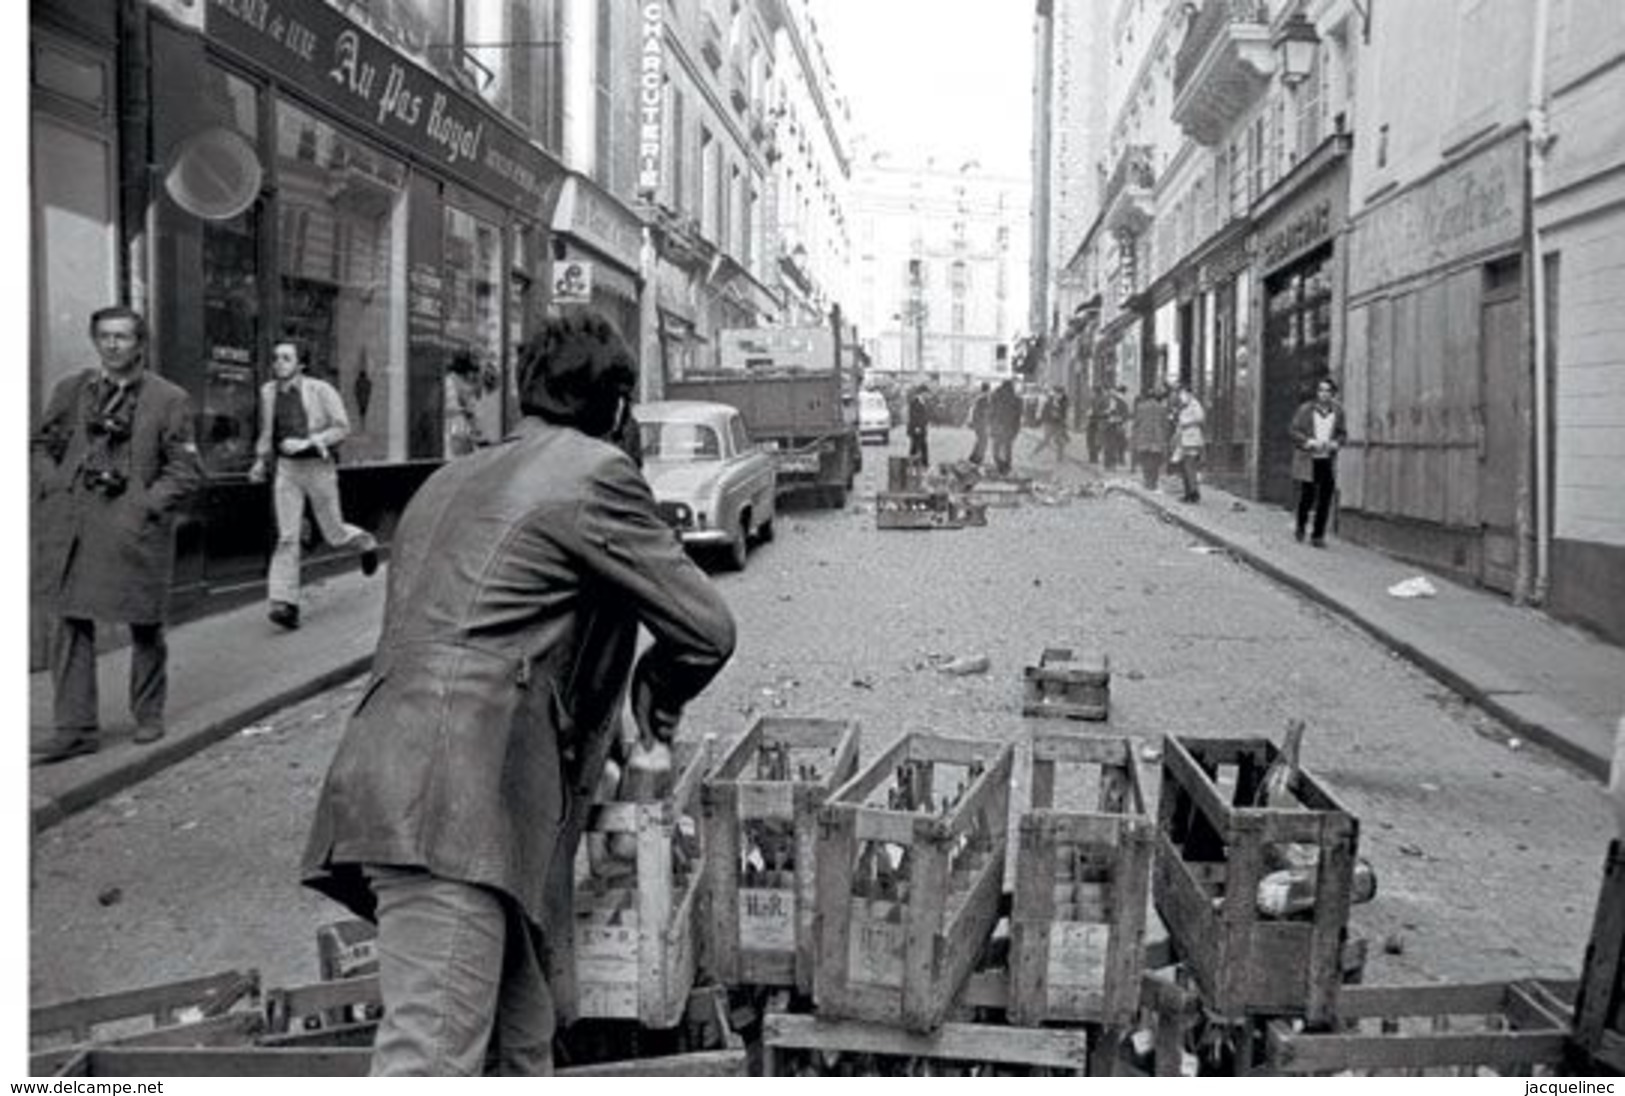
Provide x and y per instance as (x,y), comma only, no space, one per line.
(997,494)
(801,1045)
(637,934)
(1500,1028)
(1077,930)
(761,831)
(915,510)
(908,898)
(1599,1007)
(330,1061)
(1067,684)
(1211,852)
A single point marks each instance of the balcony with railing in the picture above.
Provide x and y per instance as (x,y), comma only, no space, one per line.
(1223,65)
(1126,203)
(711,40)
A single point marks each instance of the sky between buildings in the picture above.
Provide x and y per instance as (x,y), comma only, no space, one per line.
(944,78)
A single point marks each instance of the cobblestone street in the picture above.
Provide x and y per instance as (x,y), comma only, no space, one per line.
(1486,854)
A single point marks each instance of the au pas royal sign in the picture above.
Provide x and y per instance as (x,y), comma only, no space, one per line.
(360,77)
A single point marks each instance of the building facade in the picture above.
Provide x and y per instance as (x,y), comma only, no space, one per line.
(809,246)
(1578,184)
(373,179)
(938,270)
(1424,208)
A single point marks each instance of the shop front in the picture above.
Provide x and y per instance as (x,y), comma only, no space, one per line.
(597,256)
(1438,387)
(323,187)
(1298,269)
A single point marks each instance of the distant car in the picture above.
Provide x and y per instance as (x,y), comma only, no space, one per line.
(874,417)
(714,486)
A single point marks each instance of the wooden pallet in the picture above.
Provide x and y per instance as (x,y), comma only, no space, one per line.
(1428,1030)
(1212,850)
(293,1061)
(1077,933)
(761,830)
(907,898)
(194,1012)
(1599,1007)
(799,1045)
(1067,685)
(637,934)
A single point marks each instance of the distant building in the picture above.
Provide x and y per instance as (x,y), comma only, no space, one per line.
(939,260)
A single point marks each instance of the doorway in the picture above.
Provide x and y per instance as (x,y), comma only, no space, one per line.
(1502,357)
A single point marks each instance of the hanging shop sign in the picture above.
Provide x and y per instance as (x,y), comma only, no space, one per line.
(572,282)
(366,81)
(1466,210)
(651,97)
(214,174)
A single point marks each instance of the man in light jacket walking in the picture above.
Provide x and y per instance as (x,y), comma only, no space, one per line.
(302,421)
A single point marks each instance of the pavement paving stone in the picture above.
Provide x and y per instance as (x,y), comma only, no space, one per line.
(225,672)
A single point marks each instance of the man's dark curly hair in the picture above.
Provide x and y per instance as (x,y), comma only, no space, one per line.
(575,371)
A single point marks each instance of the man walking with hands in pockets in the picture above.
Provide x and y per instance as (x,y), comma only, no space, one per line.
(302,420)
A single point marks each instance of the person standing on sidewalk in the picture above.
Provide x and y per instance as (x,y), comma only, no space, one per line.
(978,424)
(1115,425)
(302,421)
(1189,441)
(1318,431)
(1003,424)
(919,426)
(451,812)
(1150,435)
(119,462)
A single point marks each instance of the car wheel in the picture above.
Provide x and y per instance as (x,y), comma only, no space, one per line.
(765,532)
(739,548)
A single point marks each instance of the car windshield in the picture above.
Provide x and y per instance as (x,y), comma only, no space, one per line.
(680,441)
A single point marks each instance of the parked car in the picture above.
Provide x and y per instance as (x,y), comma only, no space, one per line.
(874,417)
(713,484)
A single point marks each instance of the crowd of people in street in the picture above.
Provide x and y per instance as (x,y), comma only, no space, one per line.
(1163,432)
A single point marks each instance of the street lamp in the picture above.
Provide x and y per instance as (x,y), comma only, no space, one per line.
(1295,44)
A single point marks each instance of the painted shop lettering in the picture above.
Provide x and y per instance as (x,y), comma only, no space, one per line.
(253,12)
(398,101)
(351,72)
(462,141)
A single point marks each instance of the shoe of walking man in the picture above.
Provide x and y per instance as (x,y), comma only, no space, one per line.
(116,462)
(302,421)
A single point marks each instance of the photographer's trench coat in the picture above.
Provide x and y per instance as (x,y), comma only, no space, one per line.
(111,559)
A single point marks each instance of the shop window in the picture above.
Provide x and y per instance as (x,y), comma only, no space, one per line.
(473,303)
(75,268)
(341,212)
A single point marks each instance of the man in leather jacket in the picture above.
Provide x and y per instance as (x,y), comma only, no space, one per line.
(450,815)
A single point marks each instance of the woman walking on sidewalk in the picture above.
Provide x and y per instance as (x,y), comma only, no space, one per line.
(1318,432)
(302,421)
(1188,443)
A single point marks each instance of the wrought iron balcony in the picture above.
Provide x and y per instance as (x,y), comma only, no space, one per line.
(711,41)
(1127,199)
(1223,65)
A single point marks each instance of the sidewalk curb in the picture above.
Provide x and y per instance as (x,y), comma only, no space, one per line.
(47,811)
(1511,708)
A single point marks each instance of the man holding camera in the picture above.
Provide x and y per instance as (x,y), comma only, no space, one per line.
(119,462)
